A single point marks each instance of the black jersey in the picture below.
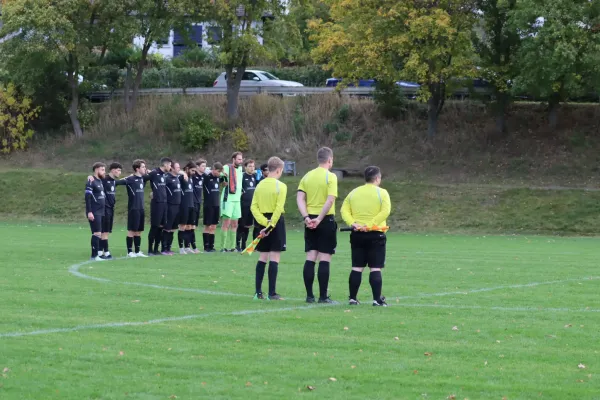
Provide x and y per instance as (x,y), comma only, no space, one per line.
(110,186)
(173,185)
(95,200)
(157,182)
(211,190)
(198,182)
(187,199)
(135,192)
(248,186)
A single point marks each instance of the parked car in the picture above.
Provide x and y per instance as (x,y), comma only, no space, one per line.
(256,78)
(332,82)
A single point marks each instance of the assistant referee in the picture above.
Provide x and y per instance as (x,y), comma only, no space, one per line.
(365,207)
(268,209)
(316,196)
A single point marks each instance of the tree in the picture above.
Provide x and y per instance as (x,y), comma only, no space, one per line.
(496,43)
(301,12)
(67,31)
(424,41)
(16,112)
(240,25)
(559,47)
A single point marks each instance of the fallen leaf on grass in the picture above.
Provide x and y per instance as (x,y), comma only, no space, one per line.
(135,301)
(415,372)
(580,381)
(347,310)
(203,383)
(345,328)
(248,384)
(121,353)
(310,387)
(581,366)
(5,370)
(266,383)
(333,379)
(396,338)
(428,354)
(568,326)
(172,396)
(455,328)
(451,397)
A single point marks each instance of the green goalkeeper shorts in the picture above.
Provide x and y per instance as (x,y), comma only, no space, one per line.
(231,210)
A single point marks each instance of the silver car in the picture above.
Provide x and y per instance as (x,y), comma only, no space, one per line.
(257,78)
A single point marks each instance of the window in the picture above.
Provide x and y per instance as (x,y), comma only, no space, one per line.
(250,76)
(214,34)
(270,76)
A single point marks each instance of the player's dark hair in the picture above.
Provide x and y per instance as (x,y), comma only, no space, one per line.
(98,165)
(137,164)
(234,155)
(217,166)
(190,165)
(264,167)
(201,161)
(165,160)
(248,162)
(115,165)
(371,173)
(324,154)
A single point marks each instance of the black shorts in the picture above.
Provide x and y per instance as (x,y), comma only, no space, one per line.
(247,217)
(96,224)
(158,214)
(324,238)
(186,215)
(172,216)
(211,215)
(276,241)
(135,220)
(196,214)
(368,248)
(107,220)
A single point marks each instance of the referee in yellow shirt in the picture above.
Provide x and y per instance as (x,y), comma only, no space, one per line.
(365,207)
(268,208)
(316,196)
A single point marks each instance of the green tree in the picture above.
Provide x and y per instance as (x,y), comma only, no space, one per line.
(16,113)
(301,12)
(496,42)
(559,48)
(427,42)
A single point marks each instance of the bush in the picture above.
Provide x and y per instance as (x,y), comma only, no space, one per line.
(179,77)
(194,58)
(390,100)
(240,139)
(313,75)
(197,131)
(16,112)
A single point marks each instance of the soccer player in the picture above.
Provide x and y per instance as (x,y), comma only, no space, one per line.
(135,208)
(264,172)
(95,203)
(211,209)
(247,220)
(231,208)
(173,185)
(316,201)
(268,209)
(367,206)
(110,183)
(186,210)
(198,182)
(158,205)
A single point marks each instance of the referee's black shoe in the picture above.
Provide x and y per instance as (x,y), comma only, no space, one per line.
(327,300)
(353,302)
(380,303)
(310,299)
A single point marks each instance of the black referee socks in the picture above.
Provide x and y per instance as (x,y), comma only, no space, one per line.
(354,283)
(129,242)
(273,269)
(95,245)
(137,241)
(260,274)
(309,277)
(376,283)
(323,276)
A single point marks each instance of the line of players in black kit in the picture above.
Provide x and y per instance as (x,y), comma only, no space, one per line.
(176,197)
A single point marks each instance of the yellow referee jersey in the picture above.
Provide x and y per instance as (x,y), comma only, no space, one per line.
(269,198)
(318,184)
(367,205)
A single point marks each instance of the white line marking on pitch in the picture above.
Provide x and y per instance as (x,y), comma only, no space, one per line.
(498,308)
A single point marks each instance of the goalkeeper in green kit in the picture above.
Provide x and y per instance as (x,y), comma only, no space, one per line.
(231,205)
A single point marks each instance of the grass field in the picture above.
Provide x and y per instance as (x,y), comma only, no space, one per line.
(477,317)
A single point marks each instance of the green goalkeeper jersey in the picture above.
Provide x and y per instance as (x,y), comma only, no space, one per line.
(232,197)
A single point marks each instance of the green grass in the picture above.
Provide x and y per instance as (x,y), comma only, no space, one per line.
(54,195)
(514,340)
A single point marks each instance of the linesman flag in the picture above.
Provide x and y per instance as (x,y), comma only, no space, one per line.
(250,249)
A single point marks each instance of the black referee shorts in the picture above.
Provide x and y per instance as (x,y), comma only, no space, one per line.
(107,220)
(172,216)
(276,241)
(322,239)
(135,220)
(96,224)
(247,217)
(368,248)
(158,214)
(211,215)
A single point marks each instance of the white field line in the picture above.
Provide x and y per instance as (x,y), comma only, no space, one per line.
(498,308)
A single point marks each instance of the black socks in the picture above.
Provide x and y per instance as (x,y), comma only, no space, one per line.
(137,241)
(323,276)
(376,283)
(193,239)
(309,277)
(260,274)
(273,269)
(205,240)
(95,243)
(129,242)
(180,235)
(104,245)
(354,283)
